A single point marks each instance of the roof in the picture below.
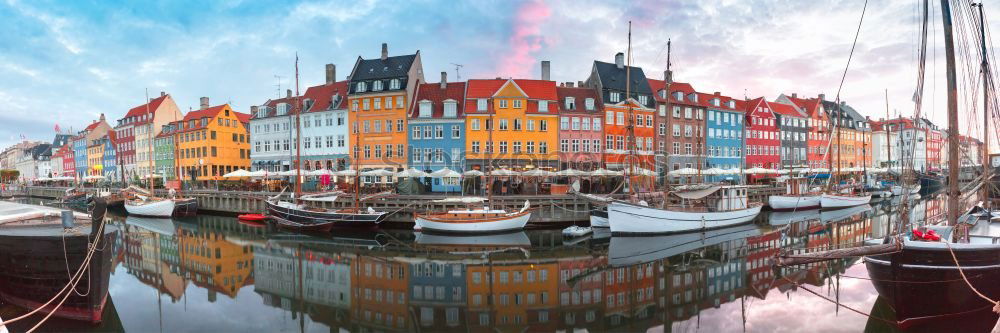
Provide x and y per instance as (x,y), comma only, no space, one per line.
(580,95)
(322,96)
(142,109)
(832,107)
(92,126)
(534,89)
(210,112)
(432,92)
(613,77)
(706,101)
(61,139)
(272,106)
(785,110)
(809,106)
(391,67)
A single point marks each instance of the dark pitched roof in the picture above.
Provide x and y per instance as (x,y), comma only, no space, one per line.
(40,150)
(580,95)
(61,139)
(613,78)
(391,67)
(432,92)
(832,108)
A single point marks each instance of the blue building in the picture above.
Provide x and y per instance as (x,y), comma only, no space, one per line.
(437,132)
(724,134)
(110,164)
(437,294)
(80,156)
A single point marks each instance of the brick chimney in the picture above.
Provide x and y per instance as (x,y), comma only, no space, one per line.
(569,84)
(718,93)
(288,93)
(579,84)
(822,97)
(794,95)
(204,103)
(620,60)
(331,73)
(163,93)
(444,80)
(385,51)
(546,68)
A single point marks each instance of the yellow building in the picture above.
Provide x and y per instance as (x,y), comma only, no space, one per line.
(526,134)
(212,142)
(212,262)
(504,296)
(95,157)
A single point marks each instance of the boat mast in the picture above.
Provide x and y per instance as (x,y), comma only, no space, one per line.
(630,129)
(489,155)
(986,100)
(949,50)
(888,130)
(668,80)
(149,144)
(298,134)
(357,162)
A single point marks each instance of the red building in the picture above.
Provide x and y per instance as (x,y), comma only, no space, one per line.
(762,143)
(625,93)
(68,160)
(935,143)
(581,124)
(819,131)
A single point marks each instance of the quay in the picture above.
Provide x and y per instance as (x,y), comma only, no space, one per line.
(555,209)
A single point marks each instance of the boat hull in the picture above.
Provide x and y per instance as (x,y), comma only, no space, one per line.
(933,286)
(309,220)
(159,208)
(629,219)
(185,207)
(489,225)
(842,201)
(599,218)
(793,202)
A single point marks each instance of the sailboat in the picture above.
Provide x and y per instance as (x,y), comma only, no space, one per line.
(957,273)
(482,219)
(798,196)
(296,215)
(703,206)
(848,196)
(150,205)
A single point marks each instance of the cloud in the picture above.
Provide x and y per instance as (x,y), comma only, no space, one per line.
(525,40)
(57,25)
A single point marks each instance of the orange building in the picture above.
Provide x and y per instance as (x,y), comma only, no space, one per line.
(379,298)
(526,134)
(512,297)
(211,142)
(379,95)
(212,262)
(612,81)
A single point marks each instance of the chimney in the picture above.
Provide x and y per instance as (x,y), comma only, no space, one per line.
(822,97)
(253,110)
(385,51)
(620,60)
(102,116)
(163,93)
(718,93)
(579,84)
(794,95)
(204,103)
(569,84)
(546,68)
(444,80)
(331,73)
(668,76)
(288,93)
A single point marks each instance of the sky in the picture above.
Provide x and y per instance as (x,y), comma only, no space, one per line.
(68,62)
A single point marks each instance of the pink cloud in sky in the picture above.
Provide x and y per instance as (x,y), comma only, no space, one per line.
(526,39)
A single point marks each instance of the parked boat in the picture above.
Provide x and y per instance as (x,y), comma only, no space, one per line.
(900,190)
(483,220)
(76,197)
(576,231)
(714,207)
(307,218)
(185,207)
(798,197)
(151,207)
(35,251)
(842,200)
(599,217)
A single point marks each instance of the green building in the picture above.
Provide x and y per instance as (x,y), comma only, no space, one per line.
(163,149)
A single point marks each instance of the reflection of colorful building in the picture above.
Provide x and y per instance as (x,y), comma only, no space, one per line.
(151,256)
(628,291)
(512,296)
(286,278)
(438,295)
(212,262)
(379,294)
(580,302)
(760,251)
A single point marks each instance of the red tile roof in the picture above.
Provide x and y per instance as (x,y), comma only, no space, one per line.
(322,96)
(243,117)
(535,89)
(432,92)
(580,95)
(92,126)
(209,113)
(706,101)
(785,110)
(141,109)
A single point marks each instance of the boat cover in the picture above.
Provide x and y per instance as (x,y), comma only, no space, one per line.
(696,194)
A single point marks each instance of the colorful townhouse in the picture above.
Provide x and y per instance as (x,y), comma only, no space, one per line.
(272,133)
(661,120)
(95,157)
(686,127)
(108,158)
(723,133)
(82,142)
(164,150)
(437,131)
(68,159)
(512,296)
(818,124)
(138,130)
(379,97)
(936,145)
(762,143)
(211,142)
(793,131)
(438,294)
(611,81)
(380,294)
(852,137)
(513,122)
(581,119)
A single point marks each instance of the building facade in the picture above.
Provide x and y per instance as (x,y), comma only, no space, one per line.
(686,127)
(139,128)
(793,129)
(164,150)
(83,140)
(581,128)
(818,125)
(212,142)
(611,81)
(109,161)
(379,92)
(437,131)
(513,122)
(762,137)
(724,134)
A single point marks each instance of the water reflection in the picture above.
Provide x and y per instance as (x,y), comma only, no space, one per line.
(403,281)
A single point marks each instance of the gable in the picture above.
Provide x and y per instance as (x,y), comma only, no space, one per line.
(510,89)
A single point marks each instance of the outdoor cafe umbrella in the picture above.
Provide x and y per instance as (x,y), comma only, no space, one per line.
(605,172)
(538,173)
(320,172)
(571,173)
(473,173)
(446,173)
(412,173)
(505,172)
(683,172)
(237,174)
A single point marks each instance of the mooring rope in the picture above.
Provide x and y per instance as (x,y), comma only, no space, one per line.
(996,305)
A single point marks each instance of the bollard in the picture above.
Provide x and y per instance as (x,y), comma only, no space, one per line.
(67,219)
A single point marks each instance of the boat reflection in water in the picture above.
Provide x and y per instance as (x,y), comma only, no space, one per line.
(401,281)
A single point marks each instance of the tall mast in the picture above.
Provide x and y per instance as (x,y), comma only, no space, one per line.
(489,155)
(949,50)
(357,162)
(888,129)
(864,154)
(668,81)
(986,99)
(149,144)
(298,134)
(631,117)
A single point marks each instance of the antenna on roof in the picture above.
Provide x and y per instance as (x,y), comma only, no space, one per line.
(458,76)
(278,91)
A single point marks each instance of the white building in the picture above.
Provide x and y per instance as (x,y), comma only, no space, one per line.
(323,121)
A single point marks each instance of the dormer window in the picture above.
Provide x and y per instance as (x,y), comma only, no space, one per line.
(394,84)
(679,95)
(715,102)
(663,93)
(307,104)
(361,87)
(425,109)
(589,104)
(570,103)
(731,104)
(543,106)
(377,85)
(643,99)
(693,97)
(481,105)
(615,97)
(450,108)
(282,109)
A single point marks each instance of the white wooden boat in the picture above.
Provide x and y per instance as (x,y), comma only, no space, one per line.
(576,231)
(794,202)
(842,200)
(599,218)
(723,206)
(516,238)
(627,251)
(900,190)
(474,220)
(151,207)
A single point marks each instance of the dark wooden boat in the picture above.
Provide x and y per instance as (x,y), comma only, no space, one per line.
(303,217)
(185,207)
(33,266)
(73,197)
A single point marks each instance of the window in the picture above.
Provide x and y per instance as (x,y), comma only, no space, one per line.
(475,147)
(614,96)
(425,109)
(503,124)
(360,87)
(576,123)
(543,106)
(677,130)
(450,109)
(688,130)
(543,125)
(393,84)
(677,112)
(427,132)
(621,118)
(585,124)
(416,133)
(329,141)
(687,113)
(481,105)
(439,132)
(543,147)
(564,123)
(340,140)
(643,99)
(564,145)
(503,147)
(456,131)
(610,116)
(576,145)
(503,103)
(570,103)
(517,147)
(589,104)
(517,124)
(597,124)
(364,104)
(517,104)
(649,120)
(530,147)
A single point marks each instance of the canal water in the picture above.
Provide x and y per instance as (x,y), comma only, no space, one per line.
(216,274)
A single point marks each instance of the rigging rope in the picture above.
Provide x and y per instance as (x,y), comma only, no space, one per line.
(996,305)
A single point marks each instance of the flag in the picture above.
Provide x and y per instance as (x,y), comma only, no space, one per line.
(57,128)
